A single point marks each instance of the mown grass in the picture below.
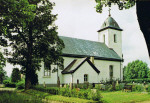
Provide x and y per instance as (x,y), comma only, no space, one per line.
(124,97)
(13,97)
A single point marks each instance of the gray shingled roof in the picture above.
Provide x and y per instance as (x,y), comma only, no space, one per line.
(110,22)
(87,48)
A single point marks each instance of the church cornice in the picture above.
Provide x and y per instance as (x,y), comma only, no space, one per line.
(95,57)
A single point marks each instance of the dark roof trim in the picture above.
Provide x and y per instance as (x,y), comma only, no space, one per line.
(83,56)
(110,28)
(86,59)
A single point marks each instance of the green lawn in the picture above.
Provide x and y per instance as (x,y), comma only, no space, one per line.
(124,97)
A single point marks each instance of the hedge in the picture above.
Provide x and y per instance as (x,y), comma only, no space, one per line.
(84,94)
(146,80)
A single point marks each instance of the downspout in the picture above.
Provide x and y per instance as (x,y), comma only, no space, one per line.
(120,71)
(72,81)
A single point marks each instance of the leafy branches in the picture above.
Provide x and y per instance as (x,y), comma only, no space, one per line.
(28,28)
(126,4)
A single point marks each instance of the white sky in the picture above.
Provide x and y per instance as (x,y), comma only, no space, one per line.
(79,19)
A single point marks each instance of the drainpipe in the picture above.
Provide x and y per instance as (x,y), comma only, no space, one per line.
(120,70)
(72,81)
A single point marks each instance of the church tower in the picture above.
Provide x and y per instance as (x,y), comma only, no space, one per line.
(111,34)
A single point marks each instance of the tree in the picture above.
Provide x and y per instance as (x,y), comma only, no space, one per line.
(136,70)
(29,27)
(2,71)
(142,7)
(16,75)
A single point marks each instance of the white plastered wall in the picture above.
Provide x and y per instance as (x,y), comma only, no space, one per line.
(109,40)
(102,65)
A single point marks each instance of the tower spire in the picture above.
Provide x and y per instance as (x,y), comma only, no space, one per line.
(109,12)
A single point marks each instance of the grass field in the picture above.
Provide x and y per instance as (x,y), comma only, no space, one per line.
(124,97)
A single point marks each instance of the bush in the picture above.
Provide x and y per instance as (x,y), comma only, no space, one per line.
(148,88)
(84,94)
(65,92)
(51,90)
(20,84)
(8,83)
(146,80)
(16,75)
(138,88)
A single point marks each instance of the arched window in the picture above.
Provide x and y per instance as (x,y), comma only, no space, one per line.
(104,38)
(85,77)
(115,38)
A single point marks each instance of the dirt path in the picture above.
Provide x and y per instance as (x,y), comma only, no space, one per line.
(7,89)
(144,102)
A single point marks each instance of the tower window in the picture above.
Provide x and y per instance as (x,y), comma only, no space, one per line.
(115,38)
(104,38)
(85,77)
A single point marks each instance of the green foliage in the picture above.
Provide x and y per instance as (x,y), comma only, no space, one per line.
(136,70)
(13,97)
(8,83)
(146,80)
(29,27)
(84,94)
(122,4)
(20,84)
(138,88)
(148,88)
(51,90)
(16,75)
(34,79)
(2,71)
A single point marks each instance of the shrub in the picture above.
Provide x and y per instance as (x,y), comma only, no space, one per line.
(65,92)
(138,88)
(8,83)
(20,84)
(146,80)
(96,96)
(16,75)
(84,94)
(148,88)
(51,90)
(98,86)
(74,93)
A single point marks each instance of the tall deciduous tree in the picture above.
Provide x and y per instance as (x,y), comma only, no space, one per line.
(28,27)
(136,70)
(2,71)
(142,7)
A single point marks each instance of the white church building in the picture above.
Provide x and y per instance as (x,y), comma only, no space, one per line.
(89,61)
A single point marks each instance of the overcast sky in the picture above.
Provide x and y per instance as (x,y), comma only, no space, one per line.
(79,19)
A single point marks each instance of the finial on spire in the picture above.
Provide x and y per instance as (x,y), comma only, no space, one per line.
(109,12)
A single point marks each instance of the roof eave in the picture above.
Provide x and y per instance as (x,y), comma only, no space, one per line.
(96,57)
(110,28)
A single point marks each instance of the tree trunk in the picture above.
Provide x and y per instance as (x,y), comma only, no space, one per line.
(30,69)
(143,8)
(27,81)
